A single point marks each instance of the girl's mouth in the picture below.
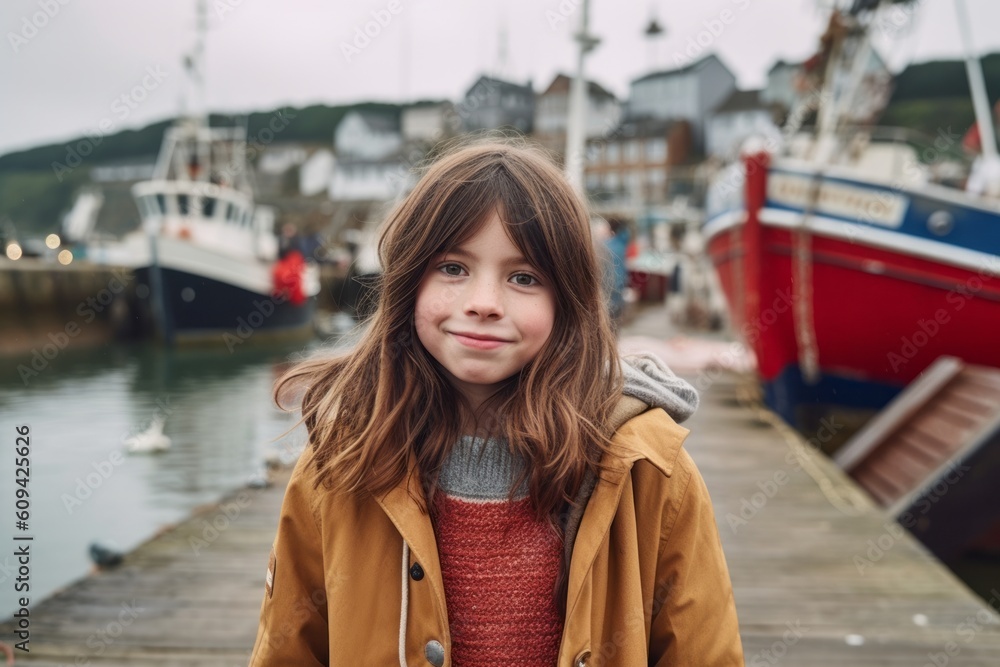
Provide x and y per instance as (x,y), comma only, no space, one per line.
(478,341)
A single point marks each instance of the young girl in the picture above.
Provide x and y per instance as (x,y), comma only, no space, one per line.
(487,482)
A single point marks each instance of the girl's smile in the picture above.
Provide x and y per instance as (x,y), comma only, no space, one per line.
(477,341)
(483,311)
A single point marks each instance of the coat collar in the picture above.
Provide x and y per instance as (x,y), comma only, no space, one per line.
(645,433)
(642,434)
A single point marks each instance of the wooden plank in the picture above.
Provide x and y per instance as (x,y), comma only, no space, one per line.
(913,398)
(966,448)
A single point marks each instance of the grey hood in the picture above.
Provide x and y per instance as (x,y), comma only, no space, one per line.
(651,381)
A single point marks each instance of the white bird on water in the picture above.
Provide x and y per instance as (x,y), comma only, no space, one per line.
(150,440)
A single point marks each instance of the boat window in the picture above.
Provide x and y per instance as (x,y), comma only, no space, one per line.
(230,210)
(182,204)
(161,204)
(208,206)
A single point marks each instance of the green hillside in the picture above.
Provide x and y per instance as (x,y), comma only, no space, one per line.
(934,96)
(38,185)
(315,123)
(944,79)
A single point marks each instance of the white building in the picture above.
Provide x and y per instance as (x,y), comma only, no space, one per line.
(740,116)
(278,158)
(367,135)
(359,180)
(689,93)
(493,103)
(781,89)
(552,113)
(552,109)
(429,122)
(315,173)
(368,163)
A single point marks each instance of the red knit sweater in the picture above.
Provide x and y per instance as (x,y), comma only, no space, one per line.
(498,563)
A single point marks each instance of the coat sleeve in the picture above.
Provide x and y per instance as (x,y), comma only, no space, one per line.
(693,613)
(293,616)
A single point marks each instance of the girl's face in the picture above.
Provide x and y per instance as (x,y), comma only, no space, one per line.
(483,312)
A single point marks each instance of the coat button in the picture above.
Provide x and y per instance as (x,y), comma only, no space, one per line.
(417,572)
(434,653)
(581,659)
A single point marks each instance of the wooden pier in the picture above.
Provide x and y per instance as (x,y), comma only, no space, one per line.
(821,576)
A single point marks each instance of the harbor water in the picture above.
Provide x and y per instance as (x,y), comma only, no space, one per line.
(85,485)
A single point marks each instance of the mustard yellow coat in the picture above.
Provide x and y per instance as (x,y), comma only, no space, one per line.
(648,580)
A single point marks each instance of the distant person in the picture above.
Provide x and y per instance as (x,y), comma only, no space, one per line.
(453,450)
(972,142)
(984,174)
(290,240)
(616,275)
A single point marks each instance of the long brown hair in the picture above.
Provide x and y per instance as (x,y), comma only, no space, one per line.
(369,410)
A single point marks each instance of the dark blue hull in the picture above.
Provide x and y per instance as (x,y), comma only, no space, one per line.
(828,411)
(184,308)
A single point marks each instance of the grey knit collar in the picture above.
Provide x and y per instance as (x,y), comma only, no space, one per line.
(481,470)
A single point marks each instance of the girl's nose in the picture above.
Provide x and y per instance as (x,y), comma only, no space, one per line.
(484,298)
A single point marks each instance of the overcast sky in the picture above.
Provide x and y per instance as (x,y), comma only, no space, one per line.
(64,78)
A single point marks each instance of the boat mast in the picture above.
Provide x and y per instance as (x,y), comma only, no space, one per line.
(974,70)
(577,121)
(844,75)
(196,66)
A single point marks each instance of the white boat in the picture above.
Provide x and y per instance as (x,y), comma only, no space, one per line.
(206,257)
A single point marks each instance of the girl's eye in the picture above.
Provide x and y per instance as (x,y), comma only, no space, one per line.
(451,269)
(525,280)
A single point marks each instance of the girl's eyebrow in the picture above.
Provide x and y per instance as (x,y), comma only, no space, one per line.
(511,260)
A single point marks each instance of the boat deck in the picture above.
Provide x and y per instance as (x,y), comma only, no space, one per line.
(821,576)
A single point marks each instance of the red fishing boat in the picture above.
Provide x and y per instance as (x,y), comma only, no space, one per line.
(849,259)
